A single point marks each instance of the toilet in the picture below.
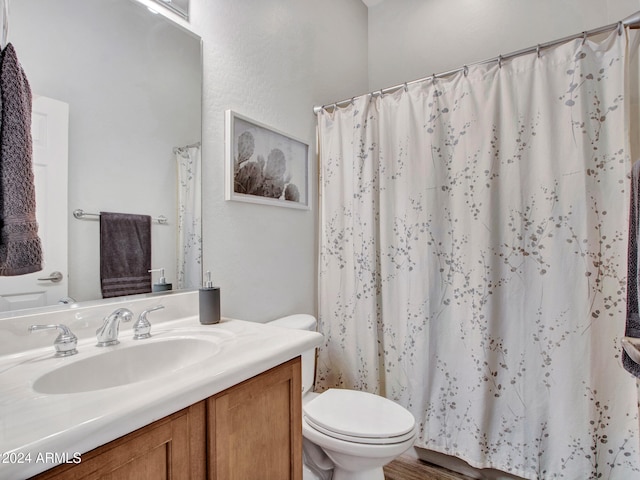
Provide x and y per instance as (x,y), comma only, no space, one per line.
(347,434)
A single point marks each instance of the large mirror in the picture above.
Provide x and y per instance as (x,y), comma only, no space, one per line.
(131,80)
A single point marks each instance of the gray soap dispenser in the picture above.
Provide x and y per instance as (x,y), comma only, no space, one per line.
(209,299)
(162,285)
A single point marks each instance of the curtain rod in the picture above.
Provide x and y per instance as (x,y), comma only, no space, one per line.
(632,21)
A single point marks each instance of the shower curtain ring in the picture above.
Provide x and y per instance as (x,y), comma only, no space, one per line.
(434,77)
(465,70)
(584,37)
(538,52)
(406,87)
(499,61)
(620,28)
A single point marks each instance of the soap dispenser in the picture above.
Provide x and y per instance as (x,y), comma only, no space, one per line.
(209,299)
(162,285)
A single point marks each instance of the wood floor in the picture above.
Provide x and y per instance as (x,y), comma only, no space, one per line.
(407,468)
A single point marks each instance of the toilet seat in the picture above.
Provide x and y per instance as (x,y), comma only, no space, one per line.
(359,417)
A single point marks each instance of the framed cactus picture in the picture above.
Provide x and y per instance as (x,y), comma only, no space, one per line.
(264,165)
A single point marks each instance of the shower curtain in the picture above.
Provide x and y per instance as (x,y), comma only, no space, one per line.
(189,268)
(473,237)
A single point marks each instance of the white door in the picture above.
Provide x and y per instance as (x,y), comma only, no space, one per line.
(50,131)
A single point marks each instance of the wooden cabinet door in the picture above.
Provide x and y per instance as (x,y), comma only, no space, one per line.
(171,448)
(255,428)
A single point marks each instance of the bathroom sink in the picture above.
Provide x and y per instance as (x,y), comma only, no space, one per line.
(125,365)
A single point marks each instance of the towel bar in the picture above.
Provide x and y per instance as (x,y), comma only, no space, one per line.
(80,214)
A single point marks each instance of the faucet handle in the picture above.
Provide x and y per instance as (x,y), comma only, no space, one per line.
(142,327)
(65,343)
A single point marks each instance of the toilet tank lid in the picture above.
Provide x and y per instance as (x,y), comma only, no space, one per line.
(301,321)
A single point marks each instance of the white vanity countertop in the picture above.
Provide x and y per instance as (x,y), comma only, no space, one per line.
(37,428)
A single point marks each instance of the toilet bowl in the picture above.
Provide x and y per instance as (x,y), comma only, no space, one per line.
(347,434)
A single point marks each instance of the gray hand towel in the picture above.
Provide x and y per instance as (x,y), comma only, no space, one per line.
(20,246)
(125,254)
(632,327)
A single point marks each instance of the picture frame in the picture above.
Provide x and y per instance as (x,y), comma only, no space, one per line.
(264,165)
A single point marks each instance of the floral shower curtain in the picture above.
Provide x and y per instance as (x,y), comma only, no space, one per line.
(473,260)
(189,268)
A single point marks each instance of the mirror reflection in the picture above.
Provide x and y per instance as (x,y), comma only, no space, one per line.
(123,85)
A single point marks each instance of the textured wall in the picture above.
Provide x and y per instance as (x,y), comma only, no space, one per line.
(272,61)
(411,39)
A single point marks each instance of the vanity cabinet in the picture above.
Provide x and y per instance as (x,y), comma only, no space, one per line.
(254,429)
(250,431)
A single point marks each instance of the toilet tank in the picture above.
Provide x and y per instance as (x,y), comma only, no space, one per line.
(302,321)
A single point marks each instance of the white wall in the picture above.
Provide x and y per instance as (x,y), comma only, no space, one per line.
(270,60)
(411,39)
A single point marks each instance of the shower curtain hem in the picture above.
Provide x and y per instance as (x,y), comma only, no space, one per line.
(479,465)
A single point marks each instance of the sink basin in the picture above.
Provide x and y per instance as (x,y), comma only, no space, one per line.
(125,365)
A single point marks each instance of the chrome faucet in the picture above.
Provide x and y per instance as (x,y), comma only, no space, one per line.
(107,334)
(142,327)
(66,300)
(65,343)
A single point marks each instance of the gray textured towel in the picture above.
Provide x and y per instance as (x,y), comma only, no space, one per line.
(125,254)
(20,247)
(632,327)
